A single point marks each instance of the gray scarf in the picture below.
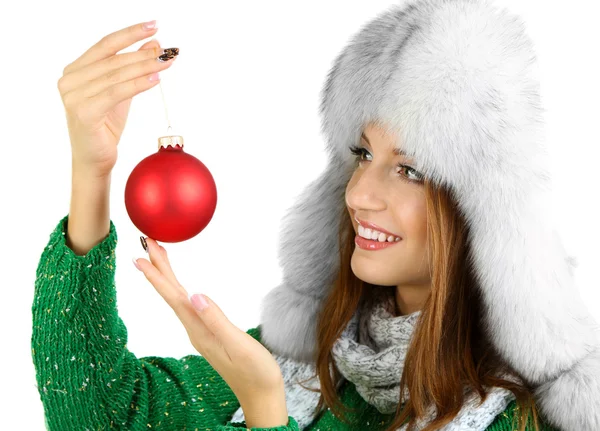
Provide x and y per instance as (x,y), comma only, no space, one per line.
(370,353)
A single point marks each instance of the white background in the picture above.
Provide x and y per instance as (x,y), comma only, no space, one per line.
(244,94)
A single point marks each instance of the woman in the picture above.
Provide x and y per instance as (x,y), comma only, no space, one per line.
(432,121)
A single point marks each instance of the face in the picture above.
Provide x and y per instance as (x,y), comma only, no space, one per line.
(387,191)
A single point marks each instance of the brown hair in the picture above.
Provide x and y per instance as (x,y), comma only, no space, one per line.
(448,349)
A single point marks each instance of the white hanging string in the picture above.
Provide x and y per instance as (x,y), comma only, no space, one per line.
(165,105)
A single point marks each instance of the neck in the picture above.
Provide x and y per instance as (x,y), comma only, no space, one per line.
(411,298)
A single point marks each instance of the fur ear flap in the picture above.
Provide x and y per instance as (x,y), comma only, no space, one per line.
(563,402)
(309,255)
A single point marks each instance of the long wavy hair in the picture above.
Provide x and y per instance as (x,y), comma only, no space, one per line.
(448,349)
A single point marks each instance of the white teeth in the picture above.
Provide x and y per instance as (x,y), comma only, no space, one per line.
(375,235)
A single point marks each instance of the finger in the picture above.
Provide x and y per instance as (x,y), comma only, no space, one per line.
(90,80)
(218,324)
(203,340)
(175,297)
(158,257)
(113,94)
(152,43)
(110,44)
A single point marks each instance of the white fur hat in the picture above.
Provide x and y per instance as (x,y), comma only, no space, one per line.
(454,79)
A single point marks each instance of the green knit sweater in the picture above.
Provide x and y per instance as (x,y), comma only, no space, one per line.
(89,381)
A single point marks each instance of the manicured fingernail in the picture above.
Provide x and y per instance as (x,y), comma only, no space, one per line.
(198,301)
(144,243)
(136,264)
(168,54)
(150,25)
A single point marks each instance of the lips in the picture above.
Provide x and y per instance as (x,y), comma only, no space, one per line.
(368,244)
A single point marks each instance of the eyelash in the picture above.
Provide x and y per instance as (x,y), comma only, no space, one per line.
(359,151)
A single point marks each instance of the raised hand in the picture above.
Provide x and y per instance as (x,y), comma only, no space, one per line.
(246,365)
(97,89)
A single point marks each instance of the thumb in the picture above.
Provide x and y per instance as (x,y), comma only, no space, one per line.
(153,43)
(215,320)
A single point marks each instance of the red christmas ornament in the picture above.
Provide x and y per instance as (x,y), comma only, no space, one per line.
(170,196)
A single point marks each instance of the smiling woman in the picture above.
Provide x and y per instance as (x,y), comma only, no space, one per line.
(422,289)
(454,324)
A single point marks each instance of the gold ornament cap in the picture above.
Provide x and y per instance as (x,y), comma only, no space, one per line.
(171,140)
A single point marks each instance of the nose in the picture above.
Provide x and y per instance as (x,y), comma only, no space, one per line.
(366,191)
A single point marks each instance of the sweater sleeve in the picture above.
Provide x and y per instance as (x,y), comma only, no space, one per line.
(86,377)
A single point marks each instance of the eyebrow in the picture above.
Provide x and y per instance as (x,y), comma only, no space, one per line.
(396,150)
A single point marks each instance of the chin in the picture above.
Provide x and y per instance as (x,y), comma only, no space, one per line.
(366,270)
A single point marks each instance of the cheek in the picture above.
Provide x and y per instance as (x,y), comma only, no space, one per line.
(412,218)
(420,222)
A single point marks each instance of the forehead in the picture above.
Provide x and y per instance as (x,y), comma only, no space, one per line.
(374,134)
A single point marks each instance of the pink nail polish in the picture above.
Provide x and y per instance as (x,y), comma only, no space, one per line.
(136,264)
(150,25)
(198,301)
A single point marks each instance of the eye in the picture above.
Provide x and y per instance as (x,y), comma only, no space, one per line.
(360,151)
(417,175)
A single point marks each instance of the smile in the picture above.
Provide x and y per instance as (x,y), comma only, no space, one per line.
(369,244)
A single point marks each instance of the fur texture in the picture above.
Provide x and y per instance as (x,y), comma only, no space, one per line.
(455,80)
